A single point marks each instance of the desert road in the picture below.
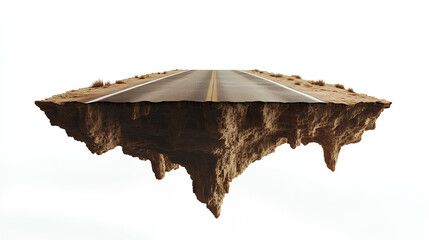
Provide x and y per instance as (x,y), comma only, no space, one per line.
(209,85)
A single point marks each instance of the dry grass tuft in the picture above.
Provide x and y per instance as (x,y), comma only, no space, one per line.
(165,72)
(120,82)
(142,77)
(296,76)
(339,86)
(277,75)
(351,90)
(261,71)
(290,78)
(98,83)
(297,83)
(136,76)
(319,82)
(107,84)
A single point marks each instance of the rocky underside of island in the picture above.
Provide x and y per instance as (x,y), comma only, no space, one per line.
(214,141)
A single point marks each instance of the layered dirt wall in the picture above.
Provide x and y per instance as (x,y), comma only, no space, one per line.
(214,141)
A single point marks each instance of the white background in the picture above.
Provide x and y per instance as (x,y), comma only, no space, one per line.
(52,187)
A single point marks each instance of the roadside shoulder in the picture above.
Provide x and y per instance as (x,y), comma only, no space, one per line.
(330,93)
(89,93)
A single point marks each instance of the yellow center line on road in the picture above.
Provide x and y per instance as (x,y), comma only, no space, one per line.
(212,92)
(214,88)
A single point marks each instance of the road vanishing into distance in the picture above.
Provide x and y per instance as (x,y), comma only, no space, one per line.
(209,85)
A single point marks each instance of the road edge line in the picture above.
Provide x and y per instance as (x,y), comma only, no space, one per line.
(136,86)
(283,86)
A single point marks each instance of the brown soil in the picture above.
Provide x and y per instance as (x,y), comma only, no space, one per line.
(89,93)
(327,93)
(214,141)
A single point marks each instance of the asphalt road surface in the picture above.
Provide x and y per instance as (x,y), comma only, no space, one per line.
(209,85)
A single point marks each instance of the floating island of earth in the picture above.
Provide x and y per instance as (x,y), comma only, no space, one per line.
(212,123)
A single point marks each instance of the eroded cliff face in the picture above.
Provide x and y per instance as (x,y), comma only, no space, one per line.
(214,141)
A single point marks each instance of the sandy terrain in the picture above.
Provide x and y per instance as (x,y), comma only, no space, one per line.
(89,93)
(326,93)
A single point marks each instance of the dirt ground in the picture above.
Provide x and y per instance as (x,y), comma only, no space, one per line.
(89,93)
(327,92)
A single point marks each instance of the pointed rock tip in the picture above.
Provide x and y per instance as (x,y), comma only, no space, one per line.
(331,167)
(331,152)
(215,209)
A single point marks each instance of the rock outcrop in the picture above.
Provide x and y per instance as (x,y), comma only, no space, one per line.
(214,141)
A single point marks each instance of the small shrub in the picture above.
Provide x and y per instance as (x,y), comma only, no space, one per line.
(142,77)
(277,75)
(341,86)
(261,71)
(319,82)
(136,76)
(297,83)
(296,76)
(98,83)
(350,90)
(120,82)
(256,70)
(107,84)
(290,78)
